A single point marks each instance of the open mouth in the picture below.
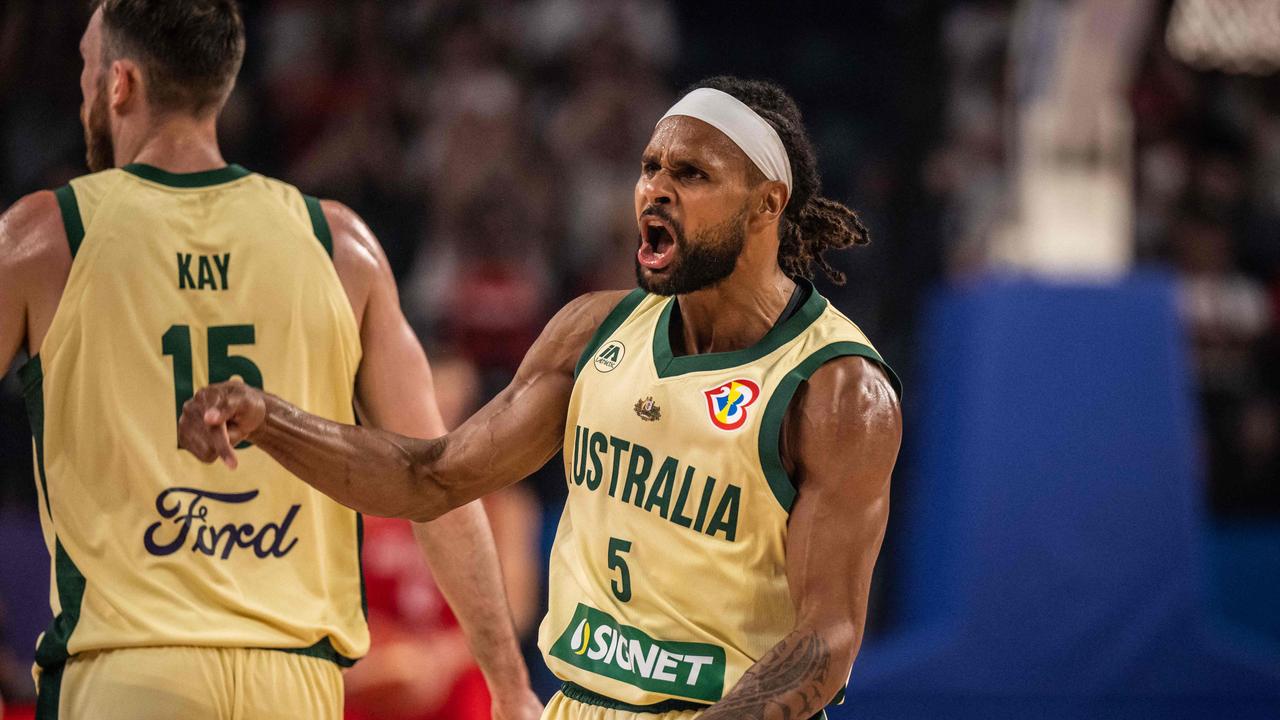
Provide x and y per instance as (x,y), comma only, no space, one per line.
(657,243)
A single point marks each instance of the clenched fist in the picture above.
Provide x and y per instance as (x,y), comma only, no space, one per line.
(219,417)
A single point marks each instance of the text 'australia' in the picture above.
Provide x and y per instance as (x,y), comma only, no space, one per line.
(669,488)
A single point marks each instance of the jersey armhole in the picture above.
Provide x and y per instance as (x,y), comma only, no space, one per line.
(770,440)
(612,322)
(319,225)
(71,220)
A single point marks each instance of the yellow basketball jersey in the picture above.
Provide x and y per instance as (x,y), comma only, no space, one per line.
(178,281)
(668,573)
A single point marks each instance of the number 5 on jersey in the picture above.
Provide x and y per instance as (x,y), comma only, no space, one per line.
(223,366)
(621,585)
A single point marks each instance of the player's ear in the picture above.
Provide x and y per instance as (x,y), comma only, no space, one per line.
(771,200)
(124,84)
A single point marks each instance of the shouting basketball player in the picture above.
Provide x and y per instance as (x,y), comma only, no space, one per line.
(728,438)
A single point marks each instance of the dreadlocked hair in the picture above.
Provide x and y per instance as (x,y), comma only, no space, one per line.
(811,224)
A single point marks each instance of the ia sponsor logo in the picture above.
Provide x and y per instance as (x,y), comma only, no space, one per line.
(610,356)
(595,642)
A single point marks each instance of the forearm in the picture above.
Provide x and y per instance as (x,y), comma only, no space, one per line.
(793,681)
(372,471)
(459,547)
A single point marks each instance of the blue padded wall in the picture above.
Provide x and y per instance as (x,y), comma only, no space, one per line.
(1049,552)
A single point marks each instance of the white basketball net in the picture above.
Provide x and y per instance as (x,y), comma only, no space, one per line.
(1235,36)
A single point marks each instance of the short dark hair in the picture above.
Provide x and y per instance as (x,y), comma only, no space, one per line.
(811,223)
(190,50)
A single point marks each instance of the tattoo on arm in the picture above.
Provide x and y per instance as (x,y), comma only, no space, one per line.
(786,684)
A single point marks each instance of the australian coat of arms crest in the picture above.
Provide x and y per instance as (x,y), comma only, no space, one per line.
(647,409)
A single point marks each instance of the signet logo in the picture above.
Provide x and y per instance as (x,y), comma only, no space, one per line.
(595,642)
(610,356)
(727,404)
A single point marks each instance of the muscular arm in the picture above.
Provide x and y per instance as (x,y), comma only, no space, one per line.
(382,473)
(395,392)
(34,262)
(840,441)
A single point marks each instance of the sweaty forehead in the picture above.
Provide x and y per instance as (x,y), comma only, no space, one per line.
(691,140)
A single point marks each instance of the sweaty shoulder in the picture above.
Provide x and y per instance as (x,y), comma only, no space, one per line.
(589,310)
(566,336)
(34,261)
(849,402)
(31,231)
(357,256)
(852,383)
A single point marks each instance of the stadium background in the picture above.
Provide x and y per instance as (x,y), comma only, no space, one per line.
(1086,514)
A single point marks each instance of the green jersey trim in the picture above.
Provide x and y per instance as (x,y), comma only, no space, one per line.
(52,652)
(771,424)
(319,224)
(70,210)
(668,365)
(364,594)
(31,375)
(204,178)
(49,694)
(577,693)
(322,650)
(611,323)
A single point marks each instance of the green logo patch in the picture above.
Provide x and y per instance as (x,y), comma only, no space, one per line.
(595,642)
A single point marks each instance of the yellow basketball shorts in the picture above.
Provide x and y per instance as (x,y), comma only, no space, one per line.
(189,682)
(574,702)
(565,708)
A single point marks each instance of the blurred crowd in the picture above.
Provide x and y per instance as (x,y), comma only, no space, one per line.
(485,144)
(1208,178)
(492,147)
(1207,206)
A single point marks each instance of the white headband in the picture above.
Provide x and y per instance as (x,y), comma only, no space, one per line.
(750,132)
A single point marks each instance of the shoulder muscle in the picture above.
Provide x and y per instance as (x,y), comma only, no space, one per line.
(567,334)
(357,255)
(34,263)
(846,410)
(31,232)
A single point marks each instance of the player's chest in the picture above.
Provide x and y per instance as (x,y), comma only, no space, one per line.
(620,390)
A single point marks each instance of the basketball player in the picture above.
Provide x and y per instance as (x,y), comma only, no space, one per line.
(180,590)
(728,438)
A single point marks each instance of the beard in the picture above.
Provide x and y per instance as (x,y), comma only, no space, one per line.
(707,259)
(100,152)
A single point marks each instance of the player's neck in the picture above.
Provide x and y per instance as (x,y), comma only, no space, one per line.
(736,313)
(176,144)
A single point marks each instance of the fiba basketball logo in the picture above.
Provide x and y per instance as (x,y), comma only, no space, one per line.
(727,404)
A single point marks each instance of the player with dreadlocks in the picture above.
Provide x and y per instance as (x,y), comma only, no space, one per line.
(728,438)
